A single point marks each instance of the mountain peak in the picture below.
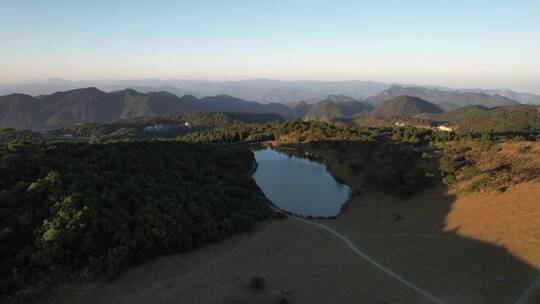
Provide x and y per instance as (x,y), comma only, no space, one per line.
(55,81)
(405,106)
(339,98)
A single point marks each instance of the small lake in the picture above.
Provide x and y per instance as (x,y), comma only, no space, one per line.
(299,185)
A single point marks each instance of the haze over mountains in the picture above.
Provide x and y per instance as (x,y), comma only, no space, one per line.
(445,99)
(267,90)
(91,104)
(259,90)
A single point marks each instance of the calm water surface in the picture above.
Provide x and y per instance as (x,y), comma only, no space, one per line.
(299,185)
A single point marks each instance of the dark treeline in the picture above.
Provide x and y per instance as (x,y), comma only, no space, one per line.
(76,210)
(398,161)
(296,132)
(479,119)
(388,159)
(367,120)
(164,126)
(9,135)
(398,169)
(299,131)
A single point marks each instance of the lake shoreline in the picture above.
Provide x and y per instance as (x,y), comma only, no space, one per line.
(320,160)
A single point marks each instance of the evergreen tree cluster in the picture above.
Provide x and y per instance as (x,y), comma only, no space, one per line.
(78,209)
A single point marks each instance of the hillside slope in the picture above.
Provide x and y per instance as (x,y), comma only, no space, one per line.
(526,98)
(478,119)
(92,105)
(170,125)
(444,99)
(336,107)
(405,106)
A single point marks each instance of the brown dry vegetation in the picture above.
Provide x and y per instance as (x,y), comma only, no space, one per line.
(493,167)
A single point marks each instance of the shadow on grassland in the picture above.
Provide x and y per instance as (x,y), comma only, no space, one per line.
(406,231)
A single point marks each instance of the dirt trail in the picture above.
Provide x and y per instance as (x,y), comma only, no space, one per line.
(373,262)
(478,248)
(530,293)
(294,258)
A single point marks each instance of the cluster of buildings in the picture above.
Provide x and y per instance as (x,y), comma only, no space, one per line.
(164,127)
(55,135)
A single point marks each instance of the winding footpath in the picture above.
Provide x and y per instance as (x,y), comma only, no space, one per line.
(527,295)
(373,262)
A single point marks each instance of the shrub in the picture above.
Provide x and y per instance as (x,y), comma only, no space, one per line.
(524,149)
(501,189)
(471,171)
(256,283)
(449,179)
(279,215)
(357,166)
(446,165)
(480,182)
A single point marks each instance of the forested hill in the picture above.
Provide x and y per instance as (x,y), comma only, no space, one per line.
(78,210)
(478,119)
(92,105)
(331,109)
(164,126)
(405,106)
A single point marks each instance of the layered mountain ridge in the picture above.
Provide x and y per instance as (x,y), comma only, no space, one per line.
(446,100)
(92,105)
(89,105)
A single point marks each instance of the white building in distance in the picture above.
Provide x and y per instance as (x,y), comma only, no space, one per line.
(445,128)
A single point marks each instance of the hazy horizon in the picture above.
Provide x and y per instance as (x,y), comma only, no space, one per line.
(453,44)
(519,88)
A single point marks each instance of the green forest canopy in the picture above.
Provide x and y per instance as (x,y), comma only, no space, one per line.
(70,209)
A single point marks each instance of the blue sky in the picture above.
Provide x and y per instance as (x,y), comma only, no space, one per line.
(456,43)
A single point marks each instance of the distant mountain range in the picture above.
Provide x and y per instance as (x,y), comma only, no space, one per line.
(446,100)
(526,98)
(92,105)
(259,90)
